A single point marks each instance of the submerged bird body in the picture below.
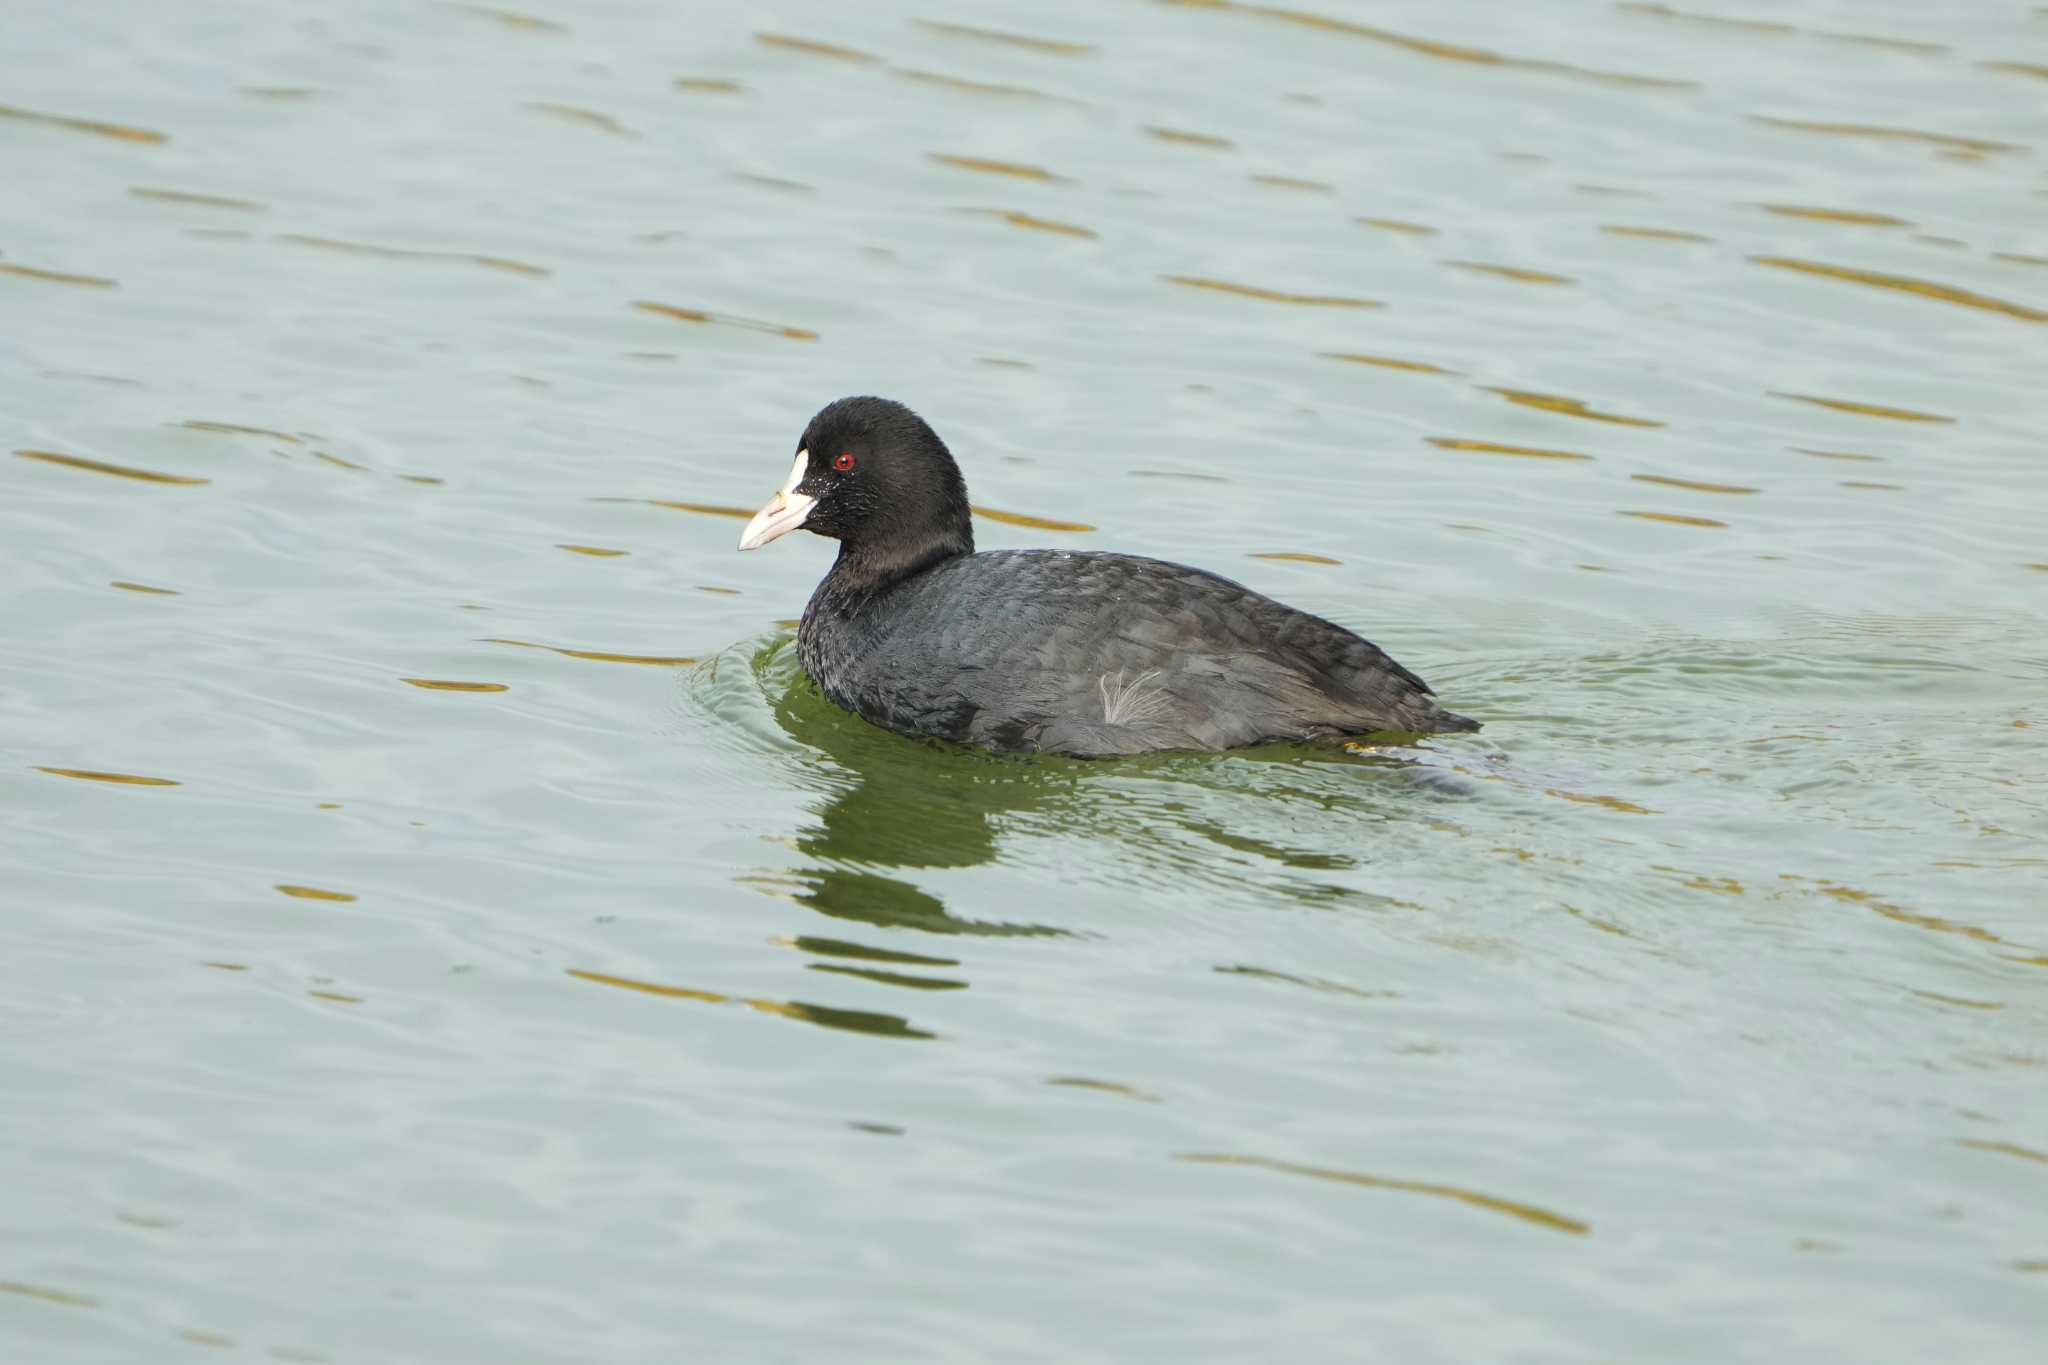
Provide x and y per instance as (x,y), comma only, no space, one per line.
(1087,653)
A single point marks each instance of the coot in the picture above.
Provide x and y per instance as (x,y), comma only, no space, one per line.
(1075,652)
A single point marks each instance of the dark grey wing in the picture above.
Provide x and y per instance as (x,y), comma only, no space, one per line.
(1368,687)
(1106,653)
(1248,662)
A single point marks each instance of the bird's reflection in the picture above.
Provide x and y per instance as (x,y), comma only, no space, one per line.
(899,803)
(1286,824)
(1178,821)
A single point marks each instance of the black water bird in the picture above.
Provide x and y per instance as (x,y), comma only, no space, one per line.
(1077,652)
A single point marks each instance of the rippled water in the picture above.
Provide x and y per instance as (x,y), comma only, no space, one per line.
(444,926)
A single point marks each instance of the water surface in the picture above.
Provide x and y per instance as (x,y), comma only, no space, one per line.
(445,926)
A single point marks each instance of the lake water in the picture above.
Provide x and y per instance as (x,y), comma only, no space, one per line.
(443,926)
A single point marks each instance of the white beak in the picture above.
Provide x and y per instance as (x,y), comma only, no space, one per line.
(785,511)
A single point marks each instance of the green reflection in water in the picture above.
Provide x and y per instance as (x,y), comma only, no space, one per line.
(48,1295)
(838,947)
(904,979)
(825,1016)
(898,803)
(893,804)
(1514,1208)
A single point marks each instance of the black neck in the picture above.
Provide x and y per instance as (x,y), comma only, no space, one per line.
(865,569)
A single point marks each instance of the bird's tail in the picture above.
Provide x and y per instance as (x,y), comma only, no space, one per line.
(1450,721)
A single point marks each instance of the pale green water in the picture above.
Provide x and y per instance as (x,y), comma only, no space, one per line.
(631,1010)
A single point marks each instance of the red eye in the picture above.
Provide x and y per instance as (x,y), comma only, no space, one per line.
(843,461)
